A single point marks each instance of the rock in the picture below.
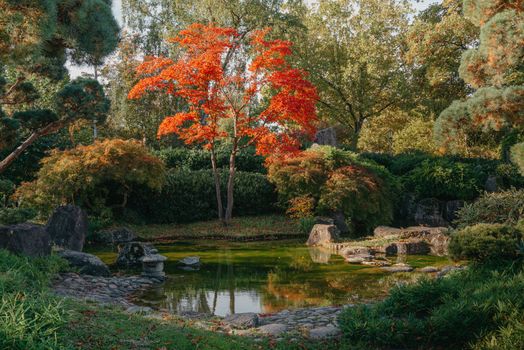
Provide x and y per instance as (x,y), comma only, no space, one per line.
(428,269)
(131,253)
(272,329)
(436,237)
(324,332)
(319,255)
(143,310)
(116,235)
(398,268)
(327,136)
(390,249)
(358,258)
(68,227)
(447,269)
(87,264)
(153,266)
(385,231)
(430,211)
(323,234)
(242,320)
(351,251)
(377,263)
(452,208)
(190,261)
(26,239)
(416,247)
(491,184)
(339,220)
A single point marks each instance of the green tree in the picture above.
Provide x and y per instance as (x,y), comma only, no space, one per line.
(436,41)
(36,38)
(352,50)
(495,68)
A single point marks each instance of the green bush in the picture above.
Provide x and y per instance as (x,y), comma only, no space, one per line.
(505,207)
(196,159)
(483,242)
(189,196)
(445,179)
(10,216)
(306,225)
(463,310)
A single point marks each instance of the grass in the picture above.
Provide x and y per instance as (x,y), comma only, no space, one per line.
(241,228)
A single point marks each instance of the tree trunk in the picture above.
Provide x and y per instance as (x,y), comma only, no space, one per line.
(4,164)
(230,185)
(218,192)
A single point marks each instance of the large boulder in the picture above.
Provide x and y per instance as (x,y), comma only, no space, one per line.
(430,212)
(87,264)
(242,320)
(416,247)
(117,235)
(436,237)
(131,254)
(68,227)
(26,239)
(323,234)
(452,208)
(356,250)
(385,231)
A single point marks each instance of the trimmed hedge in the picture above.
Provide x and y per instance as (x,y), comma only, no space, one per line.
(197,159)
(446,178)
(189,196)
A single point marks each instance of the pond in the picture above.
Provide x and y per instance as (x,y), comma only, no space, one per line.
(265,277)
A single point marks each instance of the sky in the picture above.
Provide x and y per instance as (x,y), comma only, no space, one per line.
(75,71)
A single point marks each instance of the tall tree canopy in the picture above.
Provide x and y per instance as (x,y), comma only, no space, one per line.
(495,69)
(352,49)
(37,37)
(244,94)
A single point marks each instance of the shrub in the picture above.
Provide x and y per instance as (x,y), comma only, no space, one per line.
(517,156)
(505,207)
(197,159)
(11,216)
(460,311)
(306,224)
(95,177)
(485,242)
(445,179)
(337,180)
(189,196)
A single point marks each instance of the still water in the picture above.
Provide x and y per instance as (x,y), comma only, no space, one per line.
(265,277)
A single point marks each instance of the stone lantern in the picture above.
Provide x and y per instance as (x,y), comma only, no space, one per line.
(153,266)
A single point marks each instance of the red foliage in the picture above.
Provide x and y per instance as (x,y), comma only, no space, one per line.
(222,78)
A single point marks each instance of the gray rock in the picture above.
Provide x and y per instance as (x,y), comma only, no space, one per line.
(491,184)
(452,208)
(26,239)
(339,219)
(385,231)
(324,332)
(116,235)
(447,269)
(191,261)
(428,269)
(436,237)
(131,253)
(87,264)
(68,227)
(273,329)
(398,268)
(323,234)
(351,251)
(430,212)
(415,247)
(327,137)
(358,258)
(242,320)
(143,310)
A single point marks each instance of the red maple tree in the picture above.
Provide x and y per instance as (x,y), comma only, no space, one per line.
(239,88)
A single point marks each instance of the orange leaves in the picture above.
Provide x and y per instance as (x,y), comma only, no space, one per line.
(221,89)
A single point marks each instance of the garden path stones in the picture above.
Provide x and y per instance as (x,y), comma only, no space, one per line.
(324,332)
(104,290)
(242,320)
(398,268)
(273,329)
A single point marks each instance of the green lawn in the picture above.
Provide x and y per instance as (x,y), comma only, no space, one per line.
(241,228)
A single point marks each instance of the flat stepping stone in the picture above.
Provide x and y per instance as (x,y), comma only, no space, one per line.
(190,261)
(324,332)
(273,329)
(398,268)
(428,269)
(242,320)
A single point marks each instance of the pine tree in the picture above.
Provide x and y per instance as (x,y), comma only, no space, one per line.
(495,68)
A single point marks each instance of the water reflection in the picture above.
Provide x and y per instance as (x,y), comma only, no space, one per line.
(265,277)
